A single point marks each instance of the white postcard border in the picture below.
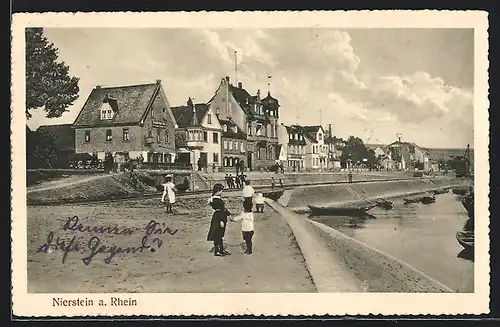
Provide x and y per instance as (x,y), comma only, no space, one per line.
(26,305)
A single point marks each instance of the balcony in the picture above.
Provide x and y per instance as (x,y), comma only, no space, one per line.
(195,144)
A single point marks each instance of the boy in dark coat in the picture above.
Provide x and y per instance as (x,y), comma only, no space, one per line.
(219,221)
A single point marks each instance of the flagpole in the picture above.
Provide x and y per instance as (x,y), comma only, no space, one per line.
(236,67)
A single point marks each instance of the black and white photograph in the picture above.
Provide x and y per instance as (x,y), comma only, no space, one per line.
(191,158)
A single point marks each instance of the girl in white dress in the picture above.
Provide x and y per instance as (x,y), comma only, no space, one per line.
(169,192)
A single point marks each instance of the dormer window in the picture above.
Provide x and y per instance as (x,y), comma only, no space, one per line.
(106,113)
(108,108)
(235,129)
(224,128)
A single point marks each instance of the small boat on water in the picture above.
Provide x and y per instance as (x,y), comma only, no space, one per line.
(468,203)
(425,199)
(440,191)
(428,199)
(340,211)
(466,239)
(384,204)
(462,190)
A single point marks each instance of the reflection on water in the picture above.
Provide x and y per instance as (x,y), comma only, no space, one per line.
(422,235)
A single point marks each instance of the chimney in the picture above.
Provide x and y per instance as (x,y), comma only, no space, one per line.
(258,94)
(97,87)
(330,130)
(190,103)
(227,79)
(158,81)
(240,85)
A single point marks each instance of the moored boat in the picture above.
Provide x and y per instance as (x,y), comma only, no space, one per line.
(440,191)
(466,239)
(462,190)
(425,199)
(384,204)
(428,199)
(340,211)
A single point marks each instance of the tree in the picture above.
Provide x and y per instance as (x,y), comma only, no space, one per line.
(48,83)
(41,151)
(355,150)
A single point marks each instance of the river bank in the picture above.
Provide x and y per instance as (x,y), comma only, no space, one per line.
(299,198)
(183,263)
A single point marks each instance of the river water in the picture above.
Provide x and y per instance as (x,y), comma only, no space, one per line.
(421,235)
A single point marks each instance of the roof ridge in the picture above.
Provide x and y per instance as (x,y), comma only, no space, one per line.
(124,86)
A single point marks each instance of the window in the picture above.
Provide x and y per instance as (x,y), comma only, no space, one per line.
(320,137)
(106,114)
(224,128)
(225,144)
(235,129)
(152,113)
(216,157)
(108,135)
(259,154)
(209,119)
(205,136)
(242,149)
(87,136)
(216,138)
(230,145)
(125,134)
(290,136)
(158,136)
(249,129)
(166,137)
(224,162)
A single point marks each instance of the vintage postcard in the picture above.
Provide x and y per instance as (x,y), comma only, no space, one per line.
(250,163)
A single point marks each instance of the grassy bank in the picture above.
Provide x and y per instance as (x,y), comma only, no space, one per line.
(183,263)
(98,188)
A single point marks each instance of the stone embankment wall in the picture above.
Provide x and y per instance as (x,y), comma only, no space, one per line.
(325,195)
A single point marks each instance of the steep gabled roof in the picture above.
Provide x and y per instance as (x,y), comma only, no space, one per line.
(308,131)
(130,104)
(184,115)
(240,134)
(63,135)
(294,130)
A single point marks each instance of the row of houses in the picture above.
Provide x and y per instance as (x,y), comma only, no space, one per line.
(234,128)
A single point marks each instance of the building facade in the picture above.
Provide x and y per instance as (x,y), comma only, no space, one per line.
(234,146)
(257,117)
(201,131)
(135,121)
(409,156)
(316,150)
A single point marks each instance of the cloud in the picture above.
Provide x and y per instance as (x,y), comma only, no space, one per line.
(313,70)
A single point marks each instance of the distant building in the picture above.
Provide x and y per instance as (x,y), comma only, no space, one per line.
(316,150)
(134,120)
(257,117)
(409,156)
(201,130)
(295,151)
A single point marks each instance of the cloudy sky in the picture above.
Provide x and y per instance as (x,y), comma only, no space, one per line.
(371,83)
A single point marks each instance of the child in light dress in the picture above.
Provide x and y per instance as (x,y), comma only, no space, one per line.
(259,202)
(168,192)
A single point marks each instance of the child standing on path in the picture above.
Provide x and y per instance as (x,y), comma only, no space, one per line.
(219,221)
(169,191)
(247,225)
(259,202)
